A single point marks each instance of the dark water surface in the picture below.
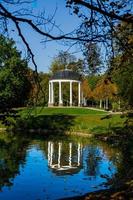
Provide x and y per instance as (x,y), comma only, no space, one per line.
(36,168)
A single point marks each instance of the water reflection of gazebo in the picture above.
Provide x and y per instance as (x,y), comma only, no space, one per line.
(64,162)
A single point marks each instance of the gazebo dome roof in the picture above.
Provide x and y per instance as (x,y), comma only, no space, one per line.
(66,75)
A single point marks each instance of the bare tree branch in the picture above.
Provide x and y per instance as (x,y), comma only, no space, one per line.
(27,45)
(8,15)
(98,21)
(112,15)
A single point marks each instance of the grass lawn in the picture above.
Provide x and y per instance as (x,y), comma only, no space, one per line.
(64,111)
(73,119)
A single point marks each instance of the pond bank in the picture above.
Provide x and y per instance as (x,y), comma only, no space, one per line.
(123,193)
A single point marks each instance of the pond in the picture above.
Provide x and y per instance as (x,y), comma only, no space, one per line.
(57,168)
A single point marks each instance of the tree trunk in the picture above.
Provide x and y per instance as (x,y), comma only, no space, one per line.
(85,104)
(119,104)
(107,104)
(104,104)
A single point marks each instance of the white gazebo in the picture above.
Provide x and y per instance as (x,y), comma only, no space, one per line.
(64,76)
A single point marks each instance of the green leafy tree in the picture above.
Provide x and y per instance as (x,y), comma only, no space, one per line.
(42,98)
(121,66)
(61,61)
(14,81)
(65,60)
(93,58)
(93,80)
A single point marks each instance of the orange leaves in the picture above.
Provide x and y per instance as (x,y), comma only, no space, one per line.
(105,89)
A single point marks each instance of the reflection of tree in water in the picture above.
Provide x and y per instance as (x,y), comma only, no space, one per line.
(126,169)
(12,155)
(92,160)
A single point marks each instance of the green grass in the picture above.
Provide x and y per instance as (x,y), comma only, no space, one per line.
(64,111)
(81,119)
(98,124)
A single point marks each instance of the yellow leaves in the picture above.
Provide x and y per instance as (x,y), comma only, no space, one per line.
(86,89)
(105,89)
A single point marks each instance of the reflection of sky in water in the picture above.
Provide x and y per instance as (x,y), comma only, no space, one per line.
(37,181)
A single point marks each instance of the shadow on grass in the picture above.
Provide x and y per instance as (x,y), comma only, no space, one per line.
(99,130)
(106,117)
(46,123)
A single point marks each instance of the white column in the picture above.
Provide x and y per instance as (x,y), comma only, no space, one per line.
(70,154)
(49,99)
(51,154)
(79,95)
(78,154)
(82,98)
(60,94)
(52,93)
(70,93)
(59,154)
(100,103)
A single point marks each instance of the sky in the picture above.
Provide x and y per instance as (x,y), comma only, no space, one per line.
(44,53)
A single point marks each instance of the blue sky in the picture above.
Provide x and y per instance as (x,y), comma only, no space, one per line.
(44,53)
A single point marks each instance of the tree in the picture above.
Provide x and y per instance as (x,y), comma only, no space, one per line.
(65,60)
(78,66)
(98,19)
(105,90)
(14,81)
(62,61)
(42,98)
(93,80)
(121,66)
(93,58)
(87,93)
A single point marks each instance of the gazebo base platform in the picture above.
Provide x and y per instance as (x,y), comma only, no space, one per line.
(50,105)
(60,105)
